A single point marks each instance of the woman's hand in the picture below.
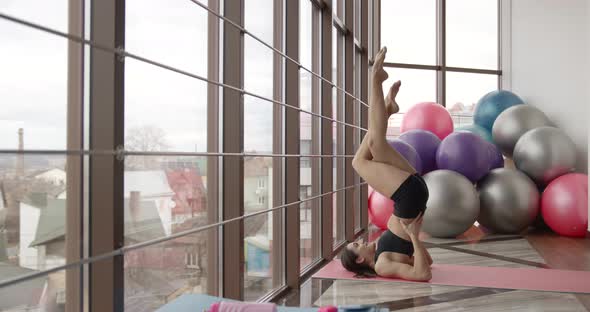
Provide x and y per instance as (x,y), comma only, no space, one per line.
(413,229)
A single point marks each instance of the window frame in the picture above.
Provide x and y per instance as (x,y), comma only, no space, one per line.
(441,68)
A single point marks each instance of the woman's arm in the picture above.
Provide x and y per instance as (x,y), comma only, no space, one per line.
(388,268)
(428,257)
(421,258)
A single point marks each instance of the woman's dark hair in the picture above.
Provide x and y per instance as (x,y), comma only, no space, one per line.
(362,270)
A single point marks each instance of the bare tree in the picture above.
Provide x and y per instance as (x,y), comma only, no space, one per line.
(147,138)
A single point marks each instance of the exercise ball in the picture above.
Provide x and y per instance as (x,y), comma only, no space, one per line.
(544,154)
(380,209)
(495,156)
(408,152)
(564,205)
(370,191)
(428,116)
(491,105)
(425,143)
(452,206)
(515,121)
(465,153)
(509,201)
(483,133)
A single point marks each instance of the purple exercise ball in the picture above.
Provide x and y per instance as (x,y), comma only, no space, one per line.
(425,143)
(408,152)
(496,158)
(465,153)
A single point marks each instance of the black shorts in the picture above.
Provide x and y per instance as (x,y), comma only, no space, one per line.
(410,198)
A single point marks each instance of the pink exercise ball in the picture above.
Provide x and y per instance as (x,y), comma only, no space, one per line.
(380,209)
(564,205)
(371,190)
(428,116)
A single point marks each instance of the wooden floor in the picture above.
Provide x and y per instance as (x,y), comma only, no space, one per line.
(535,248)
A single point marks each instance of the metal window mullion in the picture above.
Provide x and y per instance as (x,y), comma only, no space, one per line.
(232,118)
(213,58)
(349,148)
(106,171)
(365,26)
(376,26)
(315,135)
(74,163)
(441,52)
(278,217)
(504,35)
(326,129)
(292,143)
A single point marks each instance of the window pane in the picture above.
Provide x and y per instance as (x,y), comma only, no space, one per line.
(463,92)
(357,20)
(408,30)
(33,76)
(472,33)
(357,136)
(258,137)
(258,77)
(37,294)
(33,197)
(338,135)
(150,90)
(417,86)
(309,132)
(156,275)
(179,41)
(52,14)
(158,203)
(258,236)
(33,201)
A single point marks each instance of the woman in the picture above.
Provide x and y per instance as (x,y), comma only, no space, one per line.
(398,252)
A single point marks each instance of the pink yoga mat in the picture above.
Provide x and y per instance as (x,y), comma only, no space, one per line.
(487,277)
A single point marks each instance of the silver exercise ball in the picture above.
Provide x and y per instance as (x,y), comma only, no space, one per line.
(509,201)
(544,154)
(452,206)
(512,123)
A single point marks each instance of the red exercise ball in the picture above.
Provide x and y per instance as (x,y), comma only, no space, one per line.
(380,209)
(564,205)
(428,116)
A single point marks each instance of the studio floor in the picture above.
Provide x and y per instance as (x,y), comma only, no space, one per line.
(533,249)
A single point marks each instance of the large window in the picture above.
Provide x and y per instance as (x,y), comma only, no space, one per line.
(450,56)
(152,146)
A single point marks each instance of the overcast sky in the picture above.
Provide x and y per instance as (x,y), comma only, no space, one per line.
(33,65)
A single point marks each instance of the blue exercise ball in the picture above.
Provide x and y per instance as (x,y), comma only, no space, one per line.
(493,104)
(482,132)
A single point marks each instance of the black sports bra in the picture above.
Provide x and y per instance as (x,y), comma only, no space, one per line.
(393,243)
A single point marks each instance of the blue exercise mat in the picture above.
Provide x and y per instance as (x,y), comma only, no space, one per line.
(199,303)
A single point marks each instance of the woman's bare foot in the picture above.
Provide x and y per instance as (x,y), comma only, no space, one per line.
(390,103)
(379,74)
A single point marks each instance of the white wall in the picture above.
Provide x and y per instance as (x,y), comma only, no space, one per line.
(549,63)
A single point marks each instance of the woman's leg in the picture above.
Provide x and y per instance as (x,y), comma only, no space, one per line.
(376,161)
(379,113)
